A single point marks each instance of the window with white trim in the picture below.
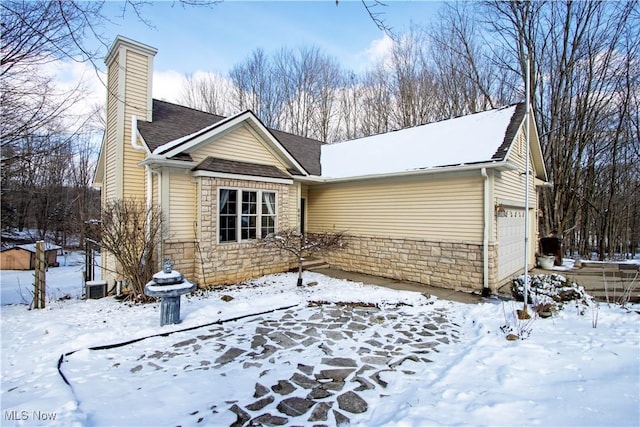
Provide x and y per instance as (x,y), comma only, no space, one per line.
(245,214)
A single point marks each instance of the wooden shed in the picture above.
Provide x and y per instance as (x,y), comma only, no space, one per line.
(23,257)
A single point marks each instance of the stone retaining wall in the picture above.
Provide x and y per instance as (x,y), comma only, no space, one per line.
(452,265)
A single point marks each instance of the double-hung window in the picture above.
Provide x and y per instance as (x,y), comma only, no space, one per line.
(245,214)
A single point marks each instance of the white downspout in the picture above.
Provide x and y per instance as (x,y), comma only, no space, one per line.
(526,188)
(149,202)
(485,233)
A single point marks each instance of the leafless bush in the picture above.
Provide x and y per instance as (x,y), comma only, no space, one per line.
(131,233)
(627,289)
(302,245)
(517,326)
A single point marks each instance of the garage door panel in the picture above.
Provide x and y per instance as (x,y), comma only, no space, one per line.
(510,241)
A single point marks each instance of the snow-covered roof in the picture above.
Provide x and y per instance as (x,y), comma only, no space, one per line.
(469,139)
(32,247)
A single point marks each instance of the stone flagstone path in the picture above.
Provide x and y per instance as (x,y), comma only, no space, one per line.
(313,365)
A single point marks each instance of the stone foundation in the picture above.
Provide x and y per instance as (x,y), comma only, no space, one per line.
(451,265)
(233,263)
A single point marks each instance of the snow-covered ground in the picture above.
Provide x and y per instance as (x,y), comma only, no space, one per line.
(566,372)
(16,286)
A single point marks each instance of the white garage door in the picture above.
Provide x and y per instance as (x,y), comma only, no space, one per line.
(510,242)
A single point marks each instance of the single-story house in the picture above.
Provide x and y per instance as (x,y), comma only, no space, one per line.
(440,204)
(23,257)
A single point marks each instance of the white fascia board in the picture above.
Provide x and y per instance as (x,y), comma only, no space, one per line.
(209,174)
(537,151)
(129,44)
(98,173)
(501,166)
(511,144)
(169,145)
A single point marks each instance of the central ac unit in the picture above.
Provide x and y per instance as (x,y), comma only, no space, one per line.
(96,289)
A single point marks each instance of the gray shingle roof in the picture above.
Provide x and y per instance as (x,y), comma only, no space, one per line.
(172,121)
(213,164)
(510,133)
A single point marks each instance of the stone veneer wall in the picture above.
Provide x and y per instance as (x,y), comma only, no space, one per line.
(182,254)
(227,263)
(450,265)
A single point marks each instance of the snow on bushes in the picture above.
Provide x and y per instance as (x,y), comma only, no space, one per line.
(550,290)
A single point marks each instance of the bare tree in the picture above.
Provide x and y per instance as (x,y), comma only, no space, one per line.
(377,102)
(40,138)
(302,245)
(467,80)
(36,34)
(256,88)
(324,120)
(206,92)
(578,53)
(350,109)
(307,77)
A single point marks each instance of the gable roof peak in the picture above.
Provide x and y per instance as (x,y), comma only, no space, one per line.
(172,122)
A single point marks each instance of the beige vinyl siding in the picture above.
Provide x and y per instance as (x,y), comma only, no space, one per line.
(304,191)
(182,203)
(109,188)
(134,175)
(136,87)
(510,184)
(294,208)
(414,207)
(240,145)
(155,189)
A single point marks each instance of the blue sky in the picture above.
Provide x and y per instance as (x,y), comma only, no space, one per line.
(216,37)
(212,39)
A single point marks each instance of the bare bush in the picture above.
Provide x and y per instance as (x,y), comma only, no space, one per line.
(131,233)
(302,245)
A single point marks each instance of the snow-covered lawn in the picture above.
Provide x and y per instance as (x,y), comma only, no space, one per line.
(16,286)
(430,362)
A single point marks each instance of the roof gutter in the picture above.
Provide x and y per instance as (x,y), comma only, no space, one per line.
(500,166)
(155,160)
